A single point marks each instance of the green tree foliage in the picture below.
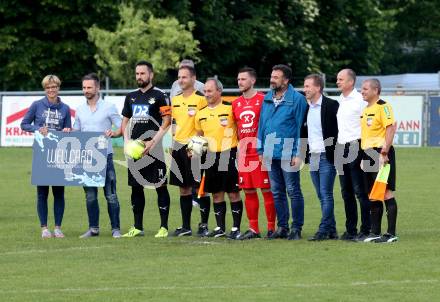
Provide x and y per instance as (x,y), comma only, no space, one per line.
(237,33)
(48,37)
(370,36)
(309,35)
(140,35)
(350,34)
(414,45)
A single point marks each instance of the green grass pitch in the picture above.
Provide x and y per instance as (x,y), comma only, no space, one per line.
(193,269)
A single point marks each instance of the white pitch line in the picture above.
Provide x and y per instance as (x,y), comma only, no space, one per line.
(121,162)
(253,286)
(81,248)
(392,282)
(197,242)
(78,248)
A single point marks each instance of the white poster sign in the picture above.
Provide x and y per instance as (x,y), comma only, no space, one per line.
(13,110)
(408,113)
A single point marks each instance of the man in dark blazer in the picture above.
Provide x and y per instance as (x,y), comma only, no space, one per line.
(320,131)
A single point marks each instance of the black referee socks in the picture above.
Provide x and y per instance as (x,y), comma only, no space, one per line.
(391,207)
(220,214)
(237,212)
(377,213)
(205,207)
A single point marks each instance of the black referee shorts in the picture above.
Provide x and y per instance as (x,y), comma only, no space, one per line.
(149,170)
(370,176)
(222,176)
(180,172)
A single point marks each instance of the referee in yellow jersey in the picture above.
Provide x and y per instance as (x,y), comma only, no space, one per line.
(185,106)
(377,133)
(216,123)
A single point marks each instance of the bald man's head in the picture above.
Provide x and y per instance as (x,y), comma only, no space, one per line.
(345,80)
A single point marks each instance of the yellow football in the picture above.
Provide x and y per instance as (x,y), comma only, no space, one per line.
(134,148)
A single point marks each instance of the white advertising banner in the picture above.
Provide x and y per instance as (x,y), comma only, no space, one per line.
(118,100)
(408,113)
(13,110)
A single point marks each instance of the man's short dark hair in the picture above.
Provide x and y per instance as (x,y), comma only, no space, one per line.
(317,80)
(91,76)
(192,70)
(286,70)
(145,63)
(249,70)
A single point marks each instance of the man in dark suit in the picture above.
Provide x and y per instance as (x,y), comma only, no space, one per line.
(320,130)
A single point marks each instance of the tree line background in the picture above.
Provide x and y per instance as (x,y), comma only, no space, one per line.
(73,37)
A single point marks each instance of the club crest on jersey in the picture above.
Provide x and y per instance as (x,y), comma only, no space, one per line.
(369,121)
(248,118)
(140,110)
(191,111)
(224,121)
(151,101)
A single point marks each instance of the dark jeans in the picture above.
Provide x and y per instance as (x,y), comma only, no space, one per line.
(110,196)
(352,187)
(323,174)
(282,179)
(58,204)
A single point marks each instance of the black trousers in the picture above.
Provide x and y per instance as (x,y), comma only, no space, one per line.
(352,187)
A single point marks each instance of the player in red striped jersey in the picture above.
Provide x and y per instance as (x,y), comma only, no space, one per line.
(252,174)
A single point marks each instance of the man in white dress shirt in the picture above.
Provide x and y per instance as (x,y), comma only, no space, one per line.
(351,105)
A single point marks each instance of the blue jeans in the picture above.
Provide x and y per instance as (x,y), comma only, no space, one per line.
(110,196)
(282,179)
(323,174)
(58,204)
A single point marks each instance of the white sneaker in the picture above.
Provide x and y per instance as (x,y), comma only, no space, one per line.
(387,238)
(116,234)
(45,233)
(371,238)
(57,233)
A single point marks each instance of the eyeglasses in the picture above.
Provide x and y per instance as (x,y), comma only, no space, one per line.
(54,87)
